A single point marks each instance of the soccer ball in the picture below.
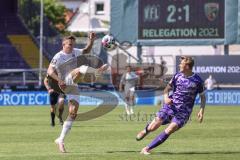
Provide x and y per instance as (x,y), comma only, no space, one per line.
(108,42)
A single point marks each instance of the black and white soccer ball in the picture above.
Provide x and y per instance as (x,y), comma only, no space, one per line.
(108,42)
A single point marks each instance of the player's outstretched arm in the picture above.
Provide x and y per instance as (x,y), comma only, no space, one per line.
(91,38)
(202,107)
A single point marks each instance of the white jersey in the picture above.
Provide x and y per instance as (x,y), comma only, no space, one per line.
(130,80)
(59,62)
(210,83)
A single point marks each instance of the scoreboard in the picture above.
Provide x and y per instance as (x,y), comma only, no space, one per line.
(175,22)
(181,19)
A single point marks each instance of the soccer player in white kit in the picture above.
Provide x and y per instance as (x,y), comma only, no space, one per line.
(68,75)
(129,79)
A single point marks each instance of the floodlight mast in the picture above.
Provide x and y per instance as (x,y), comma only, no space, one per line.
(41,45)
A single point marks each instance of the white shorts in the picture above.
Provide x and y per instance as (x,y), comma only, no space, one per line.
(130,92)
(73,97)
(71,90)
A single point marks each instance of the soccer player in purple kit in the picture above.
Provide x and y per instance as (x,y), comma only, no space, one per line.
(177,108)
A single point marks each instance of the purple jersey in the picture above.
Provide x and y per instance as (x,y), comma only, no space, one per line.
(185,90)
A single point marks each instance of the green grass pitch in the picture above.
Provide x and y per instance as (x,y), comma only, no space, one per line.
(25,134)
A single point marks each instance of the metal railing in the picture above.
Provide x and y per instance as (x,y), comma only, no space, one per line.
(20,76)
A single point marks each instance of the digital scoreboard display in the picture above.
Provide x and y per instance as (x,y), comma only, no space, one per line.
(181,19)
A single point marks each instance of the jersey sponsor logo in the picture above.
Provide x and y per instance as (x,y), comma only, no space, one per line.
(54,61)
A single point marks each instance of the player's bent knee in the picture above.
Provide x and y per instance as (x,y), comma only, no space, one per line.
(76,76)
(73,103)
(155,124)
(169,131)
(73,116)
(158,120)
(171,128)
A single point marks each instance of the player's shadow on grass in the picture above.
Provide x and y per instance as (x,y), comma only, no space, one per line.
(181,153)
(122,151)
(89,126)
(199,152)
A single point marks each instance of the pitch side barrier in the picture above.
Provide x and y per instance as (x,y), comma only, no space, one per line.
(222,97)
(29,98)
(95,98)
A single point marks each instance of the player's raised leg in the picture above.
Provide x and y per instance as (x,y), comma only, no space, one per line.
(78,74)
(99,71)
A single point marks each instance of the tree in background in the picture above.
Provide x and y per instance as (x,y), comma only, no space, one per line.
(54,16)
(55,12)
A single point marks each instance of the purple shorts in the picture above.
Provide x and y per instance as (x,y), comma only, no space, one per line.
(169,114)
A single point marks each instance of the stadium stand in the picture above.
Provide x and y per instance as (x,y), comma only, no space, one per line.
(18,49)
(28,50)
(13,32)
(11,24)
(10,56)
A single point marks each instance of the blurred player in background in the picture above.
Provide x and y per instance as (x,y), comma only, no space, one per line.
(68,75)
(177,108)
(129,80)
(210,83)
(55,97)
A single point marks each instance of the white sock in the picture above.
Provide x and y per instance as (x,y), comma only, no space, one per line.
(127,108)
(66,128)
(131,110)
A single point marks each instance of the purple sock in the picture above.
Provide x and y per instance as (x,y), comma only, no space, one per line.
(158,140)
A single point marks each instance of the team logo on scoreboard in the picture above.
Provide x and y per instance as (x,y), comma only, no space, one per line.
(211,11)
(151,13)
